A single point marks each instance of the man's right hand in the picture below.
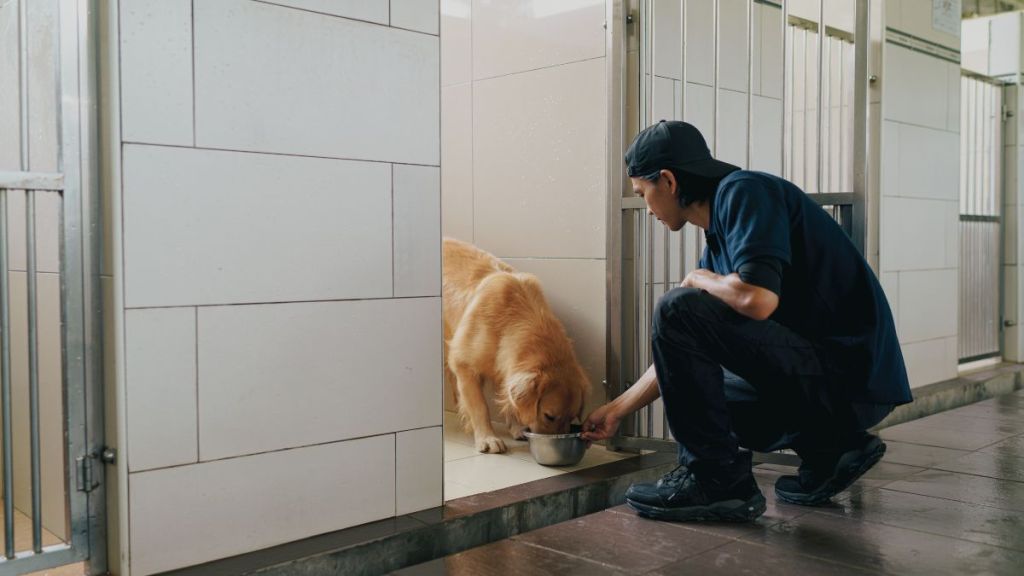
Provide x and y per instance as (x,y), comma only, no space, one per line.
(601,424)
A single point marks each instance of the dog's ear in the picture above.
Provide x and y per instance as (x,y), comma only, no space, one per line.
(520,385)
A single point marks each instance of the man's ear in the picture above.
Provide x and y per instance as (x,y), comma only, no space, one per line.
(670,178)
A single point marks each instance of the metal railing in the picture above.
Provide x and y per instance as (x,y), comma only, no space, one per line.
(981,235)
(645,258)
(74,225)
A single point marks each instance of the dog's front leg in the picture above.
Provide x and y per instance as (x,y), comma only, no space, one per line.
(474,407)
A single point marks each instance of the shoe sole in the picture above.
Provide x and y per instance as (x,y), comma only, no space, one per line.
(724,511)
(848,473)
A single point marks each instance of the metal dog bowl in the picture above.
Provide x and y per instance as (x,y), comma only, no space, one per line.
(557,449)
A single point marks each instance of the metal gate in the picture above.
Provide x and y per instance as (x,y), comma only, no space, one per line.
(50,362)
(981,238)
(777,118)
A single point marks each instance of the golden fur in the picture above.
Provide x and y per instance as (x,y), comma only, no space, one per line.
(499,327)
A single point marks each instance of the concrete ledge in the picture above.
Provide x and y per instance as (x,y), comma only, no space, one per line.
(961,391)
(388,545)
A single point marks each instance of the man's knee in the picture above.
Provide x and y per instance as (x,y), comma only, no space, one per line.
(675,305)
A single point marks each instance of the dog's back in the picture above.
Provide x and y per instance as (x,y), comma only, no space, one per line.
(464,267)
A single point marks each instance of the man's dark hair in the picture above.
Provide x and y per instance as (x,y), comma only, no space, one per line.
(692,188)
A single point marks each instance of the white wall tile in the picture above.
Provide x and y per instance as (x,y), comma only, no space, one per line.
(419,466)
(921,162)
(1005,42)
(212,227)
(575,289)
(699,110)
(286,375)
(952,236)
(456,42)
(516,36)
(732,128)
(369,10)
(930,361)
(766,132)
(890,169)
(252,95)
(928,304)
(160,358)
(915,234)
(156,71)
(192,514)
(700,42)
(664,99)
(668,39)
(732,63)
(419,15)
(539,180)
(417,207)
(953,93)
(457,161)
(915,87)
(769,73)
(891,286)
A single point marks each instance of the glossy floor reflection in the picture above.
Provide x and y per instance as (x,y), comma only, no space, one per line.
(947,499)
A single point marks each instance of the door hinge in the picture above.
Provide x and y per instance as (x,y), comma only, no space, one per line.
(86,477)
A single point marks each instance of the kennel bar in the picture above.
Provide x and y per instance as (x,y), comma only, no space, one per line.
(75,186)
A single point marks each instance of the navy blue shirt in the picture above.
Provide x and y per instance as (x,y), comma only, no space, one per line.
(830,295)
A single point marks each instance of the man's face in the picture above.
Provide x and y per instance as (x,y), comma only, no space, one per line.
(662,200)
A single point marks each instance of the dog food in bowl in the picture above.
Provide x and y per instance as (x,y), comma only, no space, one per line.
(557,449)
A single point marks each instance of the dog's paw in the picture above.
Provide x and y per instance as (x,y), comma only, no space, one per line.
(518,431)
(490,445)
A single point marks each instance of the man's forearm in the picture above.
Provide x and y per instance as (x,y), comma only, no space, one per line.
(751,301)
(640,394)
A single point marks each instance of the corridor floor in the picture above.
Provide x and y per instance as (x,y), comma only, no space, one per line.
(947,499)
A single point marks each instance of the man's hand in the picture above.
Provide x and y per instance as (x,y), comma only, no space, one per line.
(696,277)
(601,424)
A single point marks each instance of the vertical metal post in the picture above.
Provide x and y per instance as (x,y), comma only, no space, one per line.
(33,369)
(804,183)
(750,81)
(714,126)
(860,122)
(5,384)
(821,96)
(842,119)
(787,97)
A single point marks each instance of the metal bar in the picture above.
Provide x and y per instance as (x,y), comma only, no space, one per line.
(835,199)
(860,123)
(750,81)
(614,70)
(827,144)
(714,82)
(33,369)
(649,277)
(804,182)
(818,144)
(5,384)
(843,164)
(31,181)
(787,115)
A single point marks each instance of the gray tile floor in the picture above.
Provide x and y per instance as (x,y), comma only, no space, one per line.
(947,499)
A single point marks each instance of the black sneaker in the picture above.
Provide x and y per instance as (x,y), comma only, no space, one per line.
(822,476)
(728,493)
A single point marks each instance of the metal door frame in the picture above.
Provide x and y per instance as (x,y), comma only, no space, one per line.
(80,294)
(619,20)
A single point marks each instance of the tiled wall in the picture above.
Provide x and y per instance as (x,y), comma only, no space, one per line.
(919,211)
(524,108)
(280,234)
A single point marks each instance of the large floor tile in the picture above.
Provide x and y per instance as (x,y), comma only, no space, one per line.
(919,454)
(748,558)
(1009,447)
(979,524)
(495,471)
(988,464)
(981,490)
(917,433)
(627,542)
(883,549)
(509,558)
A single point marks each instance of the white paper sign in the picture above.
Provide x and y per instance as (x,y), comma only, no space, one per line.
(946,16)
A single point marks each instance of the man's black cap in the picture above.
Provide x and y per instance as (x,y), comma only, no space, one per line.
(671,144)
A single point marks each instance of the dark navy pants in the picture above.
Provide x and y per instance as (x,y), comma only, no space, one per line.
(727,381)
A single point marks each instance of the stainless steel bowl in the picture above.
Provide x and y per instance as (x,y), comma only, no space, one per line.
(557,449)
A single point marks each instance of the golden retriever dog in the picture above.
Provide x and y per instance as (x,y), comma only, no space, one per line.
(499,328)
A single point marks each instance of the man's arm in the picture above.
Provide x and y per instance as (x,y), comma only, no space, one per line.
(747,299)
(602,423)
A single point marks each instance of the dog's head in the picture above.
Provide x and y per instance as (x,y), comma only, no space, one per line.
(547,402)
